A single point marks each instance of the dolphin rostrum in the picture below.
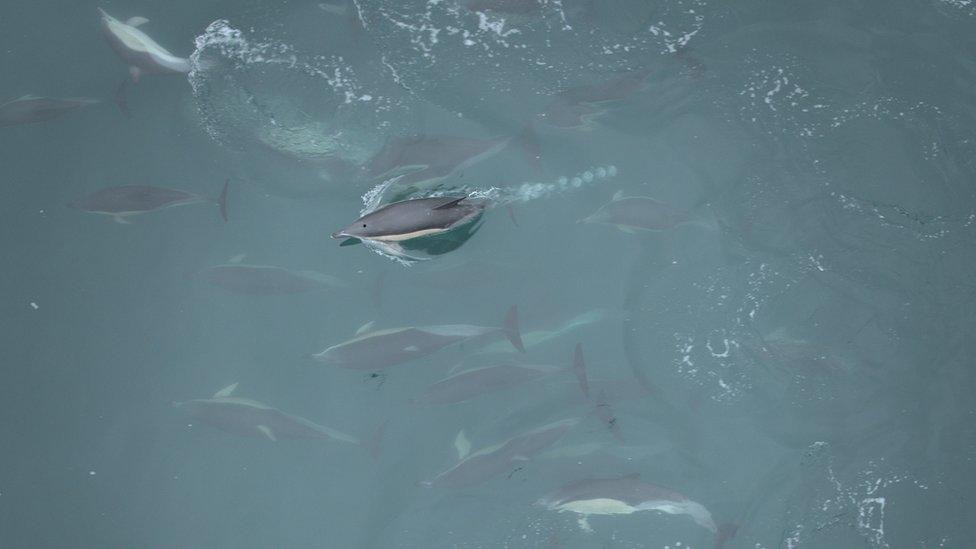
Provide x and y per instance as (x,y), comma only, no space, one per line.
(626,495)
(127,200)
(30,109)
(138,50)
(245,417)
(377,349)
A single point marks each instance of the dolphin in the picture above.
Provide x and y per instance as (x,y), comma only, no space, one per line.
(469,384)
(138,50)
(414,218)
(427,159)
(242,278)
(641,213)
(128,200)
(579,106)
(30,109)
(494,460)
(250,418)
(378,349)
(536,338)
(626,495)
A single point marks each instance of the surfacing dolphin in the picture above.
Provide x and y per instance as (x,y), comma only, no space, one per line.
(378,349)
(138,50)
(413,218)
(390,227)
(128,200)
(626,495)
(30,109)
(250,418)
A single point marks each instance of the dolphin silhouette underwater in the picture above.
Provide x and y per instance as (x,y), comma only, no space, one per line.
(250,418)
(30,109)
(373,349)
(128,200)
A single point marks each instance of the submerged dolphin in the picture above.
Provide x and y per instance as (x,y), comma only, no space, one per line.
(267,279)
(138,50)
(429,159)
(377,349)
(30,109)
(578,107)
(629,494)
(490,461)
(128,200)
(414,218)
(536,338)
(245,417)
(641,213)
(469,384)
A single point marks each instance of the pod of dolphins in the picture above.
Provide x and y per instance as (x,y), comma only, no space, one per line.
(417,162)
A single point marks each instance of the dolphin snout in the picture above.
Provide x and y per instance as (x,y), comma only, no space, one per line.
(339,234)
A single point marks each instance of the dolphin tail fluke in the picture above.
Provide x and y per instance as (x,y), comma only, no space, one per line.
(579,369)
(222,201)
(725,533)
(511,329)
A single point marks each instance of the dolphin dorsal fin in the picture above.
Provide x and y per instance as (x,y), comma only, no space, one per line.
(226,391)
(266,431)
(450,204)
(366,328)
(237,258)
(136,21)
(618,195)
(462,445)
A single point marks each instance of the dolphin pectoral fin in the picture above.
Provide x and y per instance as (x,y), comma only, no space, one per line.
(121,220)
(462,445)
(226,391)
(366,328)
(135,72)
(266,431)
(350,242)
(136,21)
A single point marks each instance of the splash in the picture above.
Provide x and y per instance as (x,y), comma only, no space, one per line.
(284,108)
